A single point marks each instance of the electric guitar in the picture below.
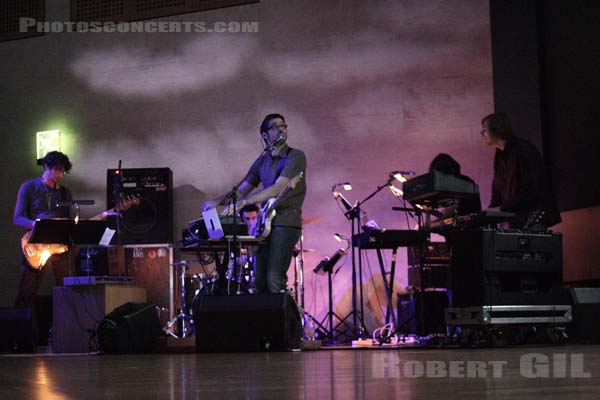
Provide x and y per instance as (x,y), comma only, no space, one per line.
(262,225)
(37,254)
(534,218)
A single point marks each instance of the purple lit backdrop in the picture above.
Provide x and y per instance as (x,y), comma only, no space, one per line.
(366,88)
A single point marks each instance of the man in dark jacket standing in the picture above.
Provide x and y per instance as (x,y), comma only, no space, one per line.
(519,183)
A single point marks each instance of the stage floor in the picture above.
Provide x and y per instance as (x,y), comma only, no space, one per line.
(524,372)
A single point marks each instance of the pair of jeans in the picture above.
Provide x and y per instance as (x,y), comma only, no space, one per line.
(273,259)
(31,278)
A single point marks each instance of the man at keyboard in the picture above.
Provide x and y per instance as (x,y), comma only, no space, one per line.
(445,164)
(519,183)
(275,168)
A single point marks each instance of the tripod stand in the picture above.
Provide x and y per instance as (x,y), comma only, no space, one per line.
(299,278)
(185,324)
(327,266)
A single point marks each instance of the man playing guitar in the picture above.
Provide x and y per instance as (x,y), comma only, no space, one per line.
(37,199)
(43,198)
(275,169)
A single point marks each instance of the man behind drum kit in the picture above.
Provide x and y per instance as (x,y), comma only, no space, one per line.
(248,214)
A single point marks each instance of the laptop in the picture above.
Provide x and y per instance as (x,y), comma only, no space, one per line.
(214,228)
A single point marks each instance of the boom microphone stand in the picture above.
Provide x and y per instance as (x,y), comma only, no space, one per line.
(353,214)
(231,199)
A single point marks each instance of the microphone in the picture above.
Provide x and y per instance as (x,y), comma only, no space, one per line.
(344,201)
(347,186)
(280,139)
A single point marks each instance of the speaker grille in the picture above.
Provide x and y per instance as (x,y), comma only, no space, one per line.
(151,220)
(95,10)
(10,13)
(148,5)
(120,10)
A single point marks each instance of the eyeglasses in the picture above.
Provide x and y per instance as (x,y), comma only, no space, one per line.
(278,127)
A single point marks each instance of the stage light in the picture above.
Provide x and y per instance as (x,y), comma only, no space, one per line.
(47,141)
(341,238)
(399,175)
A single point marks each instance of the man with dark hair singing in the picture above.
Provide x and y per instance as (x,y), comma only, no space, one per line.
(277,169)
(38,199)
(519,183)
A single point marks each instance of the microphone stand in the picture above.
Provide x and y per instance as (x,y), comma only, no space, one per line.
(353,214)
(231,199)
(71,240)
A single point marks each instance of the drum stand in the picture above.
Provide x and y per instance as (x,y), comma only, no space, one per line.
(299,278)
(182,321)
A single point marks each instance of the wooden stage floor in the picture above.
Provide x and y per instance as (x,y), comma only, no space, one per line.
(533,372)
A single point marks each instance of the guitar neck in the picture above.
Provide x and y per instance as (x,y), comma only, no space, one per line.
(102,215)
(275,203)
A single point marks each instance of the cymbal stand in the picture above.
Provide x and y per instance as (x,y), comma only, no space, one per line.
(299,272)
(183,320)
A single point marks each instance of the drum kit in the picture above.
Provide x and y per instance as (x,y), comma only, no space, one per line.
(239,279)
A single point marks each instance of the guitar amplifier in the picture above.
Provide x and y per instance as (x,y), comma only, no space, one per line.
(494,267)
(435,253)
(151,220)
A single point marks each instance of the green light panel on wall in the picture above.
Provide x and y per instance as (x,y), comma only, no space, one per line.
(47,141)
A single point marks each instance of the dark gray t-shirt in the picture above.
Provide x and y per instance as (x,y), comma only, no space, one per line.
(267,168)
(36,200)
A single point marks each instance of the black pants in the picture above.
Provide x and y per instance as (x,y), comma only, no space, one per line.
(32,278)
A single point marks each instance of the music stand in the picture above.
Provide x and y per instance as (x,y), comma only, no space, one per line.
(67,232)
(52,230)
(88,232)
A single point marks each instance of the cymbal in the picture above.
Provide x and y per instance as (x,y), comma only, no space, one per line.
(297,250)
(313,219)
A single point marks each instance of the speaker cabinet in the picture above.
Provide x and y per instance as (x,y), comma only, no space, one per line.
(491,267)
(131,328)
(151,220)
(422,313)
(77,310)
(17,334)
(246,323)
(586,308)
